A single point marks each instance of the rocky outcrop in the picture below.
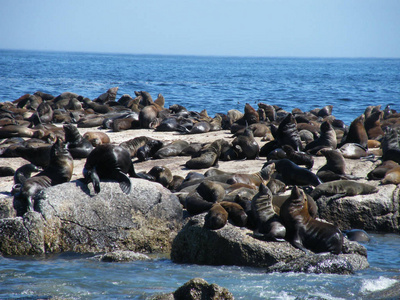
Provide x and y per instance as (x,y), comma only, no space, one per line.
(374,212)
(236,246)
(197,289)
(123,256)
(71,217)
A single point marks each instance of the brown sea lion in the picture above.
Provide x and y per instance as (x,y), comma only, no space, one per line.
(161,174)
(298,157)
(305,232)
(380,171)
(246,145)
(353,151)
(211,191)
(269,111)
(341,188)
(268,222)
(173,149)
(216,218)
(250,114)
(327,139)
(19,131)
(207,157)
(134,144)
(148,116)
(335,166)
(236,213)
(97,138)
(287,133)
(373,127)
(254,179)
(392,176)
(357,133)
(109,161)
(58,171)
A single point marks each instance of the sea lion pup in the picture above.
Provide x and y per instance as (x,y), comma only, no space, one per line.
(173,149)
(58,171)
(292,174)
(357,235)
(287,134)
(268,222)
(160,174)
(380,171)
(216,218)
(134,144)
(357,133)
(305,232)
(298,157)
(246,145)
(97,138)
(207,157)
(341,188)
(392,176)
(327,139)
(335,166)
(77,145)
(147,151)
(353,151)
(109,161)
(373,127)
(236,213)
(254,179)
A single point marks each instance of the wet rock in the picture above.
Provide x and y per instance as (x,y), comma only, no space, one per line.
(123,256)
(232,245)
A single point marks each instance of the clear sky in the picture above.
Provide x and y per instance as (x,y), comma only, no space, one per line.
(298,28)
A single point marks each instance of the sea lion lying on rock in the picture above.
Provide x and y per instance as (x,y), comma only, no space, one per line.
(342,188)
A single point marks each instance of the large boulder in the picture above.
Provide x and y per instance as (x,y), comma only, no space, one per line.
(373,212)
(232,245)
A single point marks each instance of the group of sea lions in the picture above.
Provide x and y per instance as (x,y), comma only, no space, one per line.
(257,201)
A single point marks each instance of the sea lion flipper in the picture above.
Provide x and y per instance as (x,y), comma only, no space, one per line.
(124,182)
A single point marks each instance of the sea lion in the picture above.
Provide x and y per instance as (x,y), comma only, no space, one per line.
(292,174)
(97,138)
(246,145)
(287,133)
(250,114)
(335,166)
(195,204)
(392,176)
(211,191)
(327,139)
(353,151)
(173,149)
(147,151)
(391,145)
(298,157)
(305,232)
(58,171)
(161,174)
(341,188)
(254,179)
(19,131)
(207,157)
(216,218)
(109,161)
(269,111)
(77,145)
(357,133)
(268,222)
(6,171)
(134,144)
(357,235)
(380,171)
(372,125)
(198,127)
(236,213)
(24,172)
(148,116)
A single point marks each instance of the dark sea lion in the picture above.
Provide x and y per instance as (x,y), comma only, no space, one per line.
(276,154)
(341,188)
(268,222)
(335,166)
(292,174)
(305,232)
(173,149)
(109,161)
(148,115)
(287,133)
(255,179)
(44,114)
(121,124)
(168,124)
(19,131)
(24,172)
(6,171)
(357,133)
(269,111)
(392,176)
(134,144)
(298,157)
(161,174)
(246,144)
(147,151)
(236,213)
(391,145)
(195,204)
(276,186)
(234,115)
(357,235)
(58,171)
(216,218)
(97,138)
(250,114)
(90,121)
(77,145)
(327,139)
(353,151)
(372,125)
(97,107)
(380,171)
(207,157)
(108,96)
(192,149)
(211,191)
(37,155)
(198,127)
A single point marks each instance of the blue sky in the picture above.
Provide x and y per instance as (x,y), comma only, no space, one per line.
(308,28)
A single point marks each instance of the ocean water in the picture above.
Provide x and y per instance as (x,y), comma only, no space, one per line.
(216,84)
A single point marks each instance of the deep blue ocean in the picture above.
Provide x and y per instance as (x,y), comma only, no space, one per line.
(216,84)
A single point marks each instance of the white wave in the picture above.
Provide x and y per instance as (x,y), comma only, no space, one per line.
(373,285)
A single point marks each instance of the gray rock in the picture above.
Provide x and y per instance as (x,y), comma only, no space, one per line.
(231,245)
(6,207)
(78,220)
(123,256)
(22,236)
(197,289)
(373,212)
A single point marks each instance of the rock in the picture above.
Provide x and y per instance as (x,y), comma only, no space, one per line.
(232,245)
(22,236)
(197,289)
(6,208)
(123,256)
(373,212)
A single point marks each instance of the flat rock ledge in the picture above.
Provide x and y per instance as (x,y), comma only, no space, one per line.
(232,245)
(71,217)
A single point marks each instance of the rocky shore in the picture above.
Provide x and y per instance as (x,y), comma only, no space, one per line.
(152,217)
